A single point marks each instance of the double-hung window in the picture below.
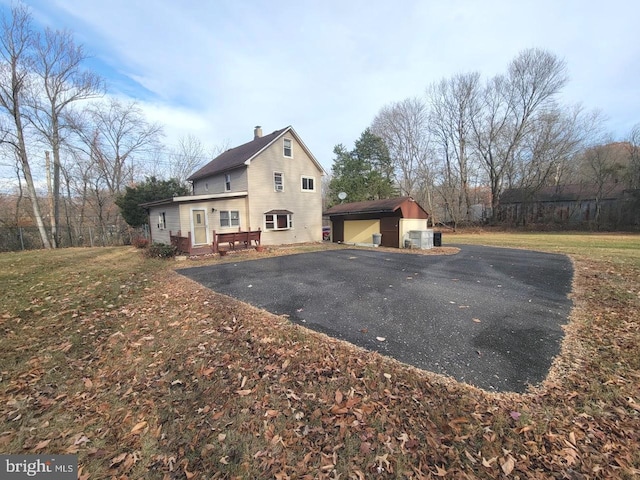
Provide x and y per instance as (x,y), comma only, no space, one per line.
(229,218)
(278,181)
(227,182)
(287,149)
(162,221)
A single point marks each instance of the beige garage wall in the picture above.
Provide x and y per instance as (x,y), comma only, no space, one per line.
(360,231)
(407,224)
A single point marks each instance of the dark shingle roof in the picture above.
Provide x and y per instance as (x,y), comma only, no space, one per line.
(235,157)
(386,205)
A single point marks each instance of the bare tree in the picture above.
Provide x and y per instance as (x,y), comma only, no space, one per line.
(555,138)
(453,103)
(116,142)
(115,135)
(404,128)
(604,167)
(508,109)
(62,82)
(587,129)
(633,146)
(16,41)
(186,158)
(544,154)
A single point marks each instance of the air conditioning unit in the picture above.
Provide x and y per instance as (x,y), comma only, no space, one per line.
(422,239)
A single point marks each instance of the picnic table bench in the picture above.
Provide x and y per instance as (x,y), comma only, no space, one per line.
(231,238)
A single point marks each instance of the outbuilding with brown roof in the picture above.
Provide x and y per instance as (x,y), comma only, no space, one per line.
(393,218)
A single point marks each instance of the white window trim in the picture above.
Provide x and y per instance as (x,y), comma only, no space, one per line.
(284,150)
(231,225)
(162,220)
(275,221)
(308,177)
(206,224)
(275,185)
(227,182)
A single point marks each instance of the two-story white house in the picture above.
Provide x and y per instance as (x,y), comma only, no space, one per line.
(271,184)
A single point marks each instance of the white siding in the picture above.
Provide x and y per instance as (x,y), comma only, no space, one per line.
(213,217)
(306,206)
(159,235)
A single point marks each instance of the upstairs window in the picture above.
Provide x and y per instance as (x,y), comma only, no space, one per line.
(278,183)
(308,184)
(288,152)
(229,218)
(227,182)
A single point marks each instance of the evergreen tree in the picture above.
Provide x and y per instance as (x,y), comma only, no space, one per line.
(365,173)
(150,190)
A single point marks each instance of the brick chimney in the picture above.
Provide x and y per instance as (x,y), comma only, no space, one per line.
(257,132)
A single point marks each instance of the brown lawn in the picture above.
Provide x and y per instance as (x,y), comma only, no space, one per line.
(145,374)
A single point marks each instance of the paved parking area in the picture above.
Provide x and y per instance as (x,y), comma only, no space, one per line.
(491,317)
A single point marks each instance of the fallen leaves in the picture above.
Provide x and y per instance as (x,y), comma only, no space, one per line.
(508,464)
(201,383)
(42,445)
(139,428)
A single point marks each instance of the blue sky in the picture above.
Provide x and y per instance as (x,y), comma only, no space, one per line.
(217,68)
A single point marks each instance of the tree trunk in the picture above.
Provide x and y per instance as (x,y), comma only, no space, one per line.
(51,200)
(55,235)
(28,178)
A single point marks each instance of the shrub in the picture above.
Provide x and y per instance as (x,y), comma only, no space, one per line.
(160,250)
(140,242)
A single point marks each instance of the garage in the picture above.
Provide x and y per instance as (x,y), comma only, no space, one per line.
(392,218)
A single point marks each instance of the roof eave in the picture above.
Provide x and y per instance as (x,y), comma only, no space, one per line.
(195,198)
(247,162)
(361,212)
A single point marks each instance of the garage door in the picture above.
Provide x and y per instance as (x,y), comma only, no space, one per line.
(360,231)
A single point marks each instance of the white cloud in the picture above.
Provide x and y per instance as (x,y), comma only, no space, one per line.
(216,69)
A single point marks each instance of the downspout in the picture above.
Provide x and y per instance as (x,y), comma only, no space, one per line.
(247,202)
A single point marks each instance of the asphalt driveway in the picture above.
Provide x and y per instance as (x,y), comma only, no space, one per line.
(491,317)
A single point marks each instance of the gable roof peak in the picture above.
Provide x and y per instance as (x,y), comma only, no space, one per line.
(238,156)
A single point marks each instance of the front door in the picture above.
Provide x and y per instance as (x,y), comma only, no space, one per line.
(199,227)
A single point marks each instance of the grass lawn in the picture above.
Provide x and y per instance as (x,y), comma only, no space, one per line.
(145,374)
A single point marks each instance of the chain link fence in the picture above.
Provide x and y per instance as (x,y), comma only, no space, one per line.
(14,239)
